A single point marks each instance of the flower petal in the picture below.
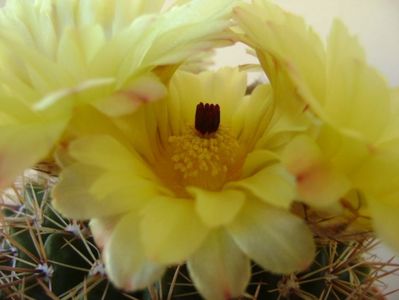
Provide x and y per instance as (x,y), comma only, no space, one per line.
(219,269)
(392,130)
(253,115)
(301,154)
(144,90)
(107,153)
(102,228)
(187,90)
(125,262)
(85,192)
(217,208)
(60,100)
(272,184)
(319,184)
(171,230)
(23,145)
(358,97)
(197,24)
(276,34)
(257,160)
(386,221)
(275,239)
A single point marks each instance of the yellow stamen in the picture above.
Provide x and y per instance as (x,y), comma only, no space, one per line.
(206,161)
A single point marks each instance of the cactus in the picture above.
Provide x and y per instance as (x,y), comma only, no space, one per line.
(338,272)
(45,256)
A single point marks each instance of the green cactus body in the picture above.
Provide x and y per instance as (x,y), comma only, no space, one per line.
(45,256)
(48,256)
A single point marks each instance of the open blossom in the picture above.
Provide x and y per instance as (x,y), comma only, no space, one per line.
(352,139)
(58,56)
(190,178)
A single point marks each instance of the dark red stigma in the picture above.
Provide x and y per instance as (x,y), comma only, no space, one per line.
(207,118)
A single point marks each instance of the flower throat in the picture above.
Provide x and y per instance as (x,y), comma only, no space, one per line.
(206,154)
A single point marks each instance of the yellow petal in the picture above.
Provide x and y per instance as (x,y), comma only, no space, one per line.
(187,90)
(217,208)
(122,172)
(61,100)
(392,130)
(71,195)
(143,90)
(69,51)
(188,26)
(275,239)
(105,152)
(285,123)
(23,145)
(386,221)
(85,192)
(125,261)
(219,269)
(171,230)
(358,99)
(272,184)
(253,116)
(301,154)
(257,160)
(120,14)
(379,174)
(60,54)
(26,137)
(318,183)
(13,110)
(342,151)
(276,35)
(102,228)
(321,185)
(198,24)
(99,124)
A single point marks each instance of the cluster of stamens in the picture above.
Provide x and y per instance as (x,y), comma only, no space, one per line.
(204,155)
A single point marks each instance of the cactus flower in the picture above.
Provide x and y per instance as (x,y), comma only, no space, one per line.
(193,178)
(112,55)
(351,141)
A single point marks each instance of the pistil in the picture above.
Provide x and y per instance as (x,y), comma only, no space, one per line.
(207,118)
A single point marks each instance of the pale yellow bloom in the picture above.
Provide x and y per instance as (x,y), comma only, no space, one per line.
(59,55)
(25,136)
(351,141)
(172,187)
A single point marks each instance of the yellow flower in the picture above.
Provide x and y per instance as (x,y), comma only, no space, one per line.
(379,178)
(189,181)
(352,137)
(25,136)
(59,55)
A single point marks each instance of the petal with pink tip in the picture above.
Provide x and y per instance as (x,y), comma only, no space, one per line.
(219,269)
(124,257)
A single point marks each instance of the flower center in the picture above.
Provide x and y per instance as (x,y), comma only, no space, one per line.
(206,155)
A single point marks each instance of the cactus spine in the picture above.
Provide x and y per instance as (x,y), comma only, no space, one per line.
(45,256)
